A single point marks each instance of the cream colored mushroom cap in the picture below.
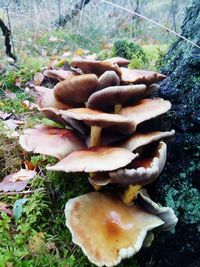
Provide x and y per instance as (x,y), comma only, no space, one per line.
(94,159)
(106,229)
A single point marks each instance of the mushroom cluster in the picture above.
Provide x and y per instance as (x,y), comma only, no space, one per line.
(110,132)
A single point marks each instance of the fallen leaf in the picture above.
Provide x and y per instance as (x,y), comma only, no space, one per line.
(4,207)
(9,94)
(18,208)
(4,115)
(36,243)
(17,181)
(13,124)
(18,82)
(79,52)
(38,78)
(29,105)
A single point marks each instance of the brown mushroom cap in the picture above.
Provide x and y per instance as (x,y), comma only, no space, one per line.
(50,141)
(146,109)
(141,139)
(140,76)
(166,214)
(95,159)
(108,97)
(143,170)
(108,78)
(76,89)
(95,66)
(120,61)
(106,229)
(59,75)
(97,118)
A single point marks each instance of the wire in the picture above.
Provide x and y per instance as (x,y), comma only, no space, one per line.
(152,21)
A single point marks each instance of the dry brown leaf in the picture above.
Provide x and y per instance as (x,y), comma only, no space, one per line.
(9,94)
(4,207)
(29,105)
(18,82)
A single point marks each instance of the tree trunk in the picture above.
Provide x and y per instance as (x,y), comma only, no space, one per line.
(180,181)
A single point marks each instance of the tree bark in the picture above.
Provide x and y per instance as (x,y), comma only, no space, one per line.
(179,184)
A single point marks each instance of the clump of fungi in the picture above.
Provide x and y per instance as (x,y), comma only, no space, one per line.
(109,132)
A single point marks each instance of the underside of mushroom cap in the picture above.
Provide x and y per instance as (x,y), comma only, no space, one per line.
(97,118)
(143,170)
(107,98)
(113,231)
(140,76)
(51,141)
(95,159)
(76,89)
(95,66)
(166,214)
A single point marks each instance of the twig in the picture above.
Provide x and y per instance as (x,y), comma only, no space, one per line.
(22,192)
(152,21)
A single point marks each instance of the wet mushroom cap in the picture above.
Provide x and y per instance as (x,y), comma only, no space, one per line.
(76,89)
(114,95)
(144,169)
(113,231)
(94,159)
(146,109)
(59,75)
(95,66)
(140,76)
(107,79)
(51,141)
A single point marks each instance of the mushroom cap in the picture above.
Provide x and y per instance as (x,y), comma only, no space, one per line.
(97,118)
(166,214)
(120,61)
(76,89)
(59,75)
(107,79)
(142,171)
(110,96)
(113,231)
(93,159)
(141,139)
(46,99)
(50,141)
(100,179)
(53,114)
(140,76)
(95,66)
(146,109)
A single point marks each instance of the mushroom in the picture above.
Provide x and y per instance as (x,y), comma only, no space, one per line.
(120,61)
(95,159)
(50,141)
(108,78)
(112,232)
(106,99)
(59,75)
(99,120)
(140,76)
(76,89)
(95,66)
(166,214)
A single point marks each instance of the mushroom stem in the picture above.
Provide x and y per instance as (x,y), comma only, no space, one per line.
(130,194)
(118,108)
(95,136)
